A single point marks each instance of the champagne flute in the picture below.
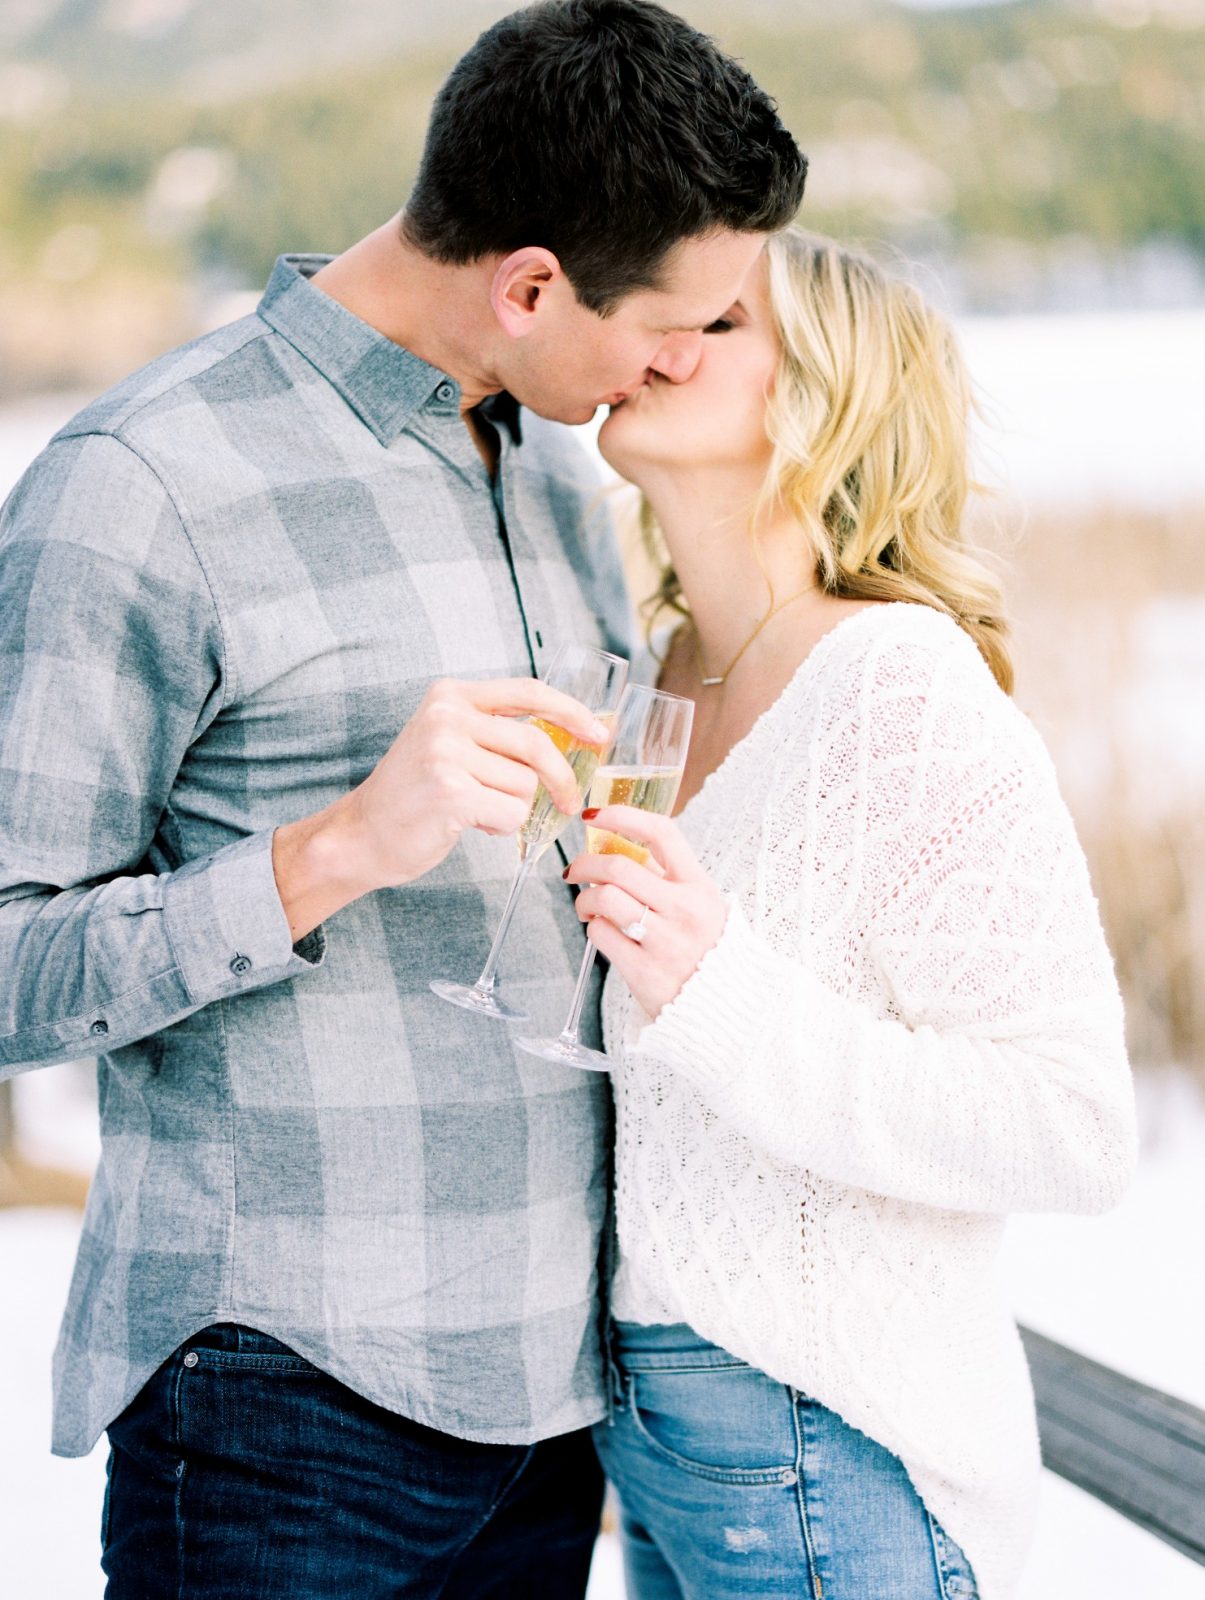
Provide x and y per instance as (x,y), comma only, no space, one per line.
(596,679)
(642,768)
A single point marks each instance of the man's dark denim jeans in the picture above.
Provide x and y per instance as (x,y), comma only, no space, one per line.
(241,1472)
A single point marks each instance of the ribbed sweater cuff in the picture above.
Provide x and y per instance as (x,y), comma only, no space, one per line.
(709,1030)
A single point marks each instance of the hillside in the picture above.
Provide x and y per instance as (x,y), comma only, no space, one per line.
(155,152)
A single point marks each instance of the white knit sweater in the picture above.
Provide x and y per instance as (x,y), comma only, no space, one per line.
(909,1027)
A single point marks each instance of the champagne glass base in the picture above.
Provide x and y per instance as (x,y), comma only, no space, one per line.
(567,1052)
(482,1002)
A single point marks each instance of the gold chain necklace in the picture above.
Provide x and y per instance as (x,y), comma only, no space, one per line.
(712,683)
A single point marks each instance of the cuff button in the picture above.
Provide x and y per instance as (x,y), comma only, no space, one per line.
(99,1027)
(241,966)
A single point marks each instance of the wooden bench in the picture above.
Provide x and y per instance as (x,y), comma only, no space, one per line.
(1136,1449)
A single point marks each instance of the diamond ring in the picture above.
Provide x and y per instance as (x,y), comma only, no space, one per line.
(635,931)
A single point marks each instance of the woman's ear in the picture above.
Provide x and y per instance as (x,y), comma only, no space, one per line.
(520,285)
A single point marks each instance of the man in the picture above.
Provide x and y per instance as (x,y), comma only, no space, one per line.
(337,1298)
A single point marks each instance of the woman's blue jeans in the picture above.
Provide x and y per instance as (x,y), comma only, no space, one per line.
(731,1484)
(241,1472)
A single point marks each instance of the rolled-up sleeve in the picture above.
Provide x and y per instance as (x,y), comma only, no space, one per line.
(112,664)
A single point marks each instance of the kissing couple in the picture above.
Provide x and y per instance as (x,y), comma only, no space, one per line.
(368,1299)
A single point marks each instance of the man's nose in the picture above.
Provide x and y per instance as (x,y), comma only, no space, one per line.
(679,356)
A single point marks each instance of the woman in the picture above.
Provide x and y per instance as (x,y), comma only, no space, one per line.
(860,1005)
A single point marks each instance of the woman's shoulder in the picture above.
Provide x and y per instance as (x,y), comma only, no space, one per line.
(903,629)
(897,653)
(899,682)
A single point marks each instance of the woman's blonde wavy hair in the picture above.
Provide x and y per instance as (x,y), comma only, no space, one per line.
(868,416)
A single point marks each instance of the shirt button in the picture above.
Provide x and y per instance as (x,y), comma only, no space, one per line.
(241,966)
(100,1026)
(191,1359)
(445,393)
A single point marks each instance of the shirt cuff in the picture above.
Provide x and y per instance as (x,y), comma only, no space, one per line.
(227,926)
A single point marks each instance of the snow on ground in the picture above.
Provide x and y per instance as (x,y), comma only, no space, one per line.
(1125,1289)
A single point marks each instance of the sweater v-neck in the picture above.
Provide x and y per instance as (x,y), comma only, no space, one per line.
(739,751)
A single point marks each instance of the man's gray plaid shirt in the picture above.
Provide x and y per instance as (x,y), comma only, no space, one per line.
(224,588)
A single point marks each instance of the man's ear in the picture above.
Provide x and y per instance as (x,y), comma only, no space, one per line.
(521,282)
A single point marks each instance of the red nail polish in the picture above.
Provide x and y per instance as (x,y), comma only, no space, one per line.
(565,874)
(589,814)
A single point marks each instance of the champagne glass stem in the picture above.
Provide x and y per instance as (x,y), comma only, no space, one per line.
(489,972)
(573,1023)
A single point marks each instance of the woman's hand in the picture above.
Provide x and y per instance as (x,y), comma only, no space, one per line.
(686,912)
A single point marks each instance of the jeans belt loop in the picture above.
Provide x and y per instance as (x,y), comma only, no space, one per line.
(615,1390)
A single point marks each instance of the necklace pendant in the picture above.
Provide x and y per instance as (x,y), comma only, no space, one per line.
(711,683)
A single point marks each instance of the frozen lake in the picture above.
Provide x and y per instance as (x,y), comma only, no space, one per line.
(1100,409)
(1084,410)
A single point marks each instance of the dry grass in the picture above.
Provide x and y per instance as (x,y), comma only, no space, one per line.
(29,1183)
(1096,647)
(1080,590)
(85,337)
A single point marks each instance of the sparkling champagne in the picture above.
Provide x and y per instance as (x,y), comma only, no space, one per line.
(545,820)
(643,768)
(647,788)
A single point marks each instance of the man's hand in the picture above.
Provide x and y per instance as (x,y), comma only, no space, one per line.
(462,761)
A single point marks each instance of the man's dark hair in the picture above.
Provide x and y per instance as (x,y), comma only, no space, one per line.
(605,131)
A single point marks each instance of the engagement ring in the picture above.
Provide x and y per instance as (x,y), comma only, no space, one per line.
(635,930)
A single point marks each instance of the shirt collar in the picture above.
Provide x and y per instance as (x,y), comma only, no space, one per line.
(385,384)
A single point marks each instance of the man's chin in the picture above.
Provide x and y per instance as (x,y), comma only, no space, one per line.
(571,412)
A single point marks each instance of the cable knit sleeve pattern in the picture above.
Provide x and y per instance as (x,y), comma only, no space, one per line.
(915,998)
